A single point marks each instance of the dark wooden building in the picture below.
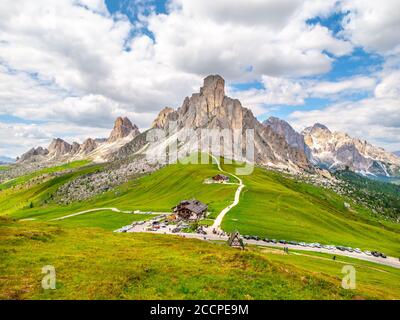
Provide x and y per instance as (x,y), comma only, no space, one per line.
(221,178)
(190,210)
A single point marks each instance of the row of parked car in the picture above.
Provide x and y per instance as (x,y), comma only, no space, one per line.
(317,245)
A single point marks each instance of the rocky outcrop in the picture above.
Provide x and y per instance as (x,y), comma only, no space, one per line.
(130,148)
(97,149)
(162,118)
(75,147)
(33,154)
(292,137)
(212,109)
(88,146)
(337,150)
(58,147)
(122,128)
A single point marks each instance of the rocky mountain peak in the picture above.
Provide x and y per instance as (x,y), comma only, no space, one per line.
(317,127)
(213,90)
(337,150)
(210,108)
(59,147)
(122,128)
(32,153)
(292,137)
(162,118)
(88,146)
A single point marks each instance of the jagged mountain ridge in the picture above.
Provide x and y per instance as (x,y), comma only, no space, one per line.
(212,109)
(292,137)
(276,142)
(96,149)
(337,150)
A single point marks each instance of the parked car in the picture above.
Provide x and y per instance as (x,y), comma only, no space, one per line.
(340,248)
(382,255)
(175,230)
(357,250)
(257,238)
(282,241)
(375,254)
(303,244)
(294,243)
(368,253)
(273,241)
(349,249)
(266,240)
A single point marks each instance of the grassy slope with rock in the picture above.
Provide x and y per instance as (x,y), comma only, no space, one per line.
(276,206)
(25,178)
(146,266)
(158,192)
(272,205)
(92,263)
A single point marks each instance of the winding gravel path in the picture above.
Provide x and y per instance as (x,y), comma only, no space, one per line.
(90,210)
(217,223)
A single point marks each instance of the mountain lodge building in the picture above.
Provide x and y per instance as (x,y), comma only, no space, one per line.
(190,210)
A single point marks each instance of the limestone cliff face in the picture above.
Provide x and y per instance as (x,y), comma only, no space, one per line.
(33,154)
(88,146)
(212,109)
(162,118)
(292,137)
(337,150)
(122,128)
(58,147)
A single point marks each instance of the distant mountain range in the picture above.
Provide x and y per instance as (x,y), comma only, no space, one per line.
(276,143)
(95,149)
(397,153)
(6,160)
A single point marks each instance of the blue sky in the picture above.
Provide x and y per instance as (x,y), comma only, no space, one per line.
(89,61)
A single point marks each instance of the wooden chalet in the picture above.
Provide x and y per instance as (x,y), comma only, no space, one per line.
(190,210)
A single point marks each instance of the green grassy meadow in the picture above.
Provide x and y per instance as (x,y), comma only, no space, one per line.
(158,192)
(279,207)
(92,263)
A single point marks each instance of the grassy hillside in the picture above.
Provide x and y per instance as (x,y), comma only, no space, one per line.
(382,197)
(39,195)
(158,192)
(271,205)
(275,206)
(22,179)
(91,263)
